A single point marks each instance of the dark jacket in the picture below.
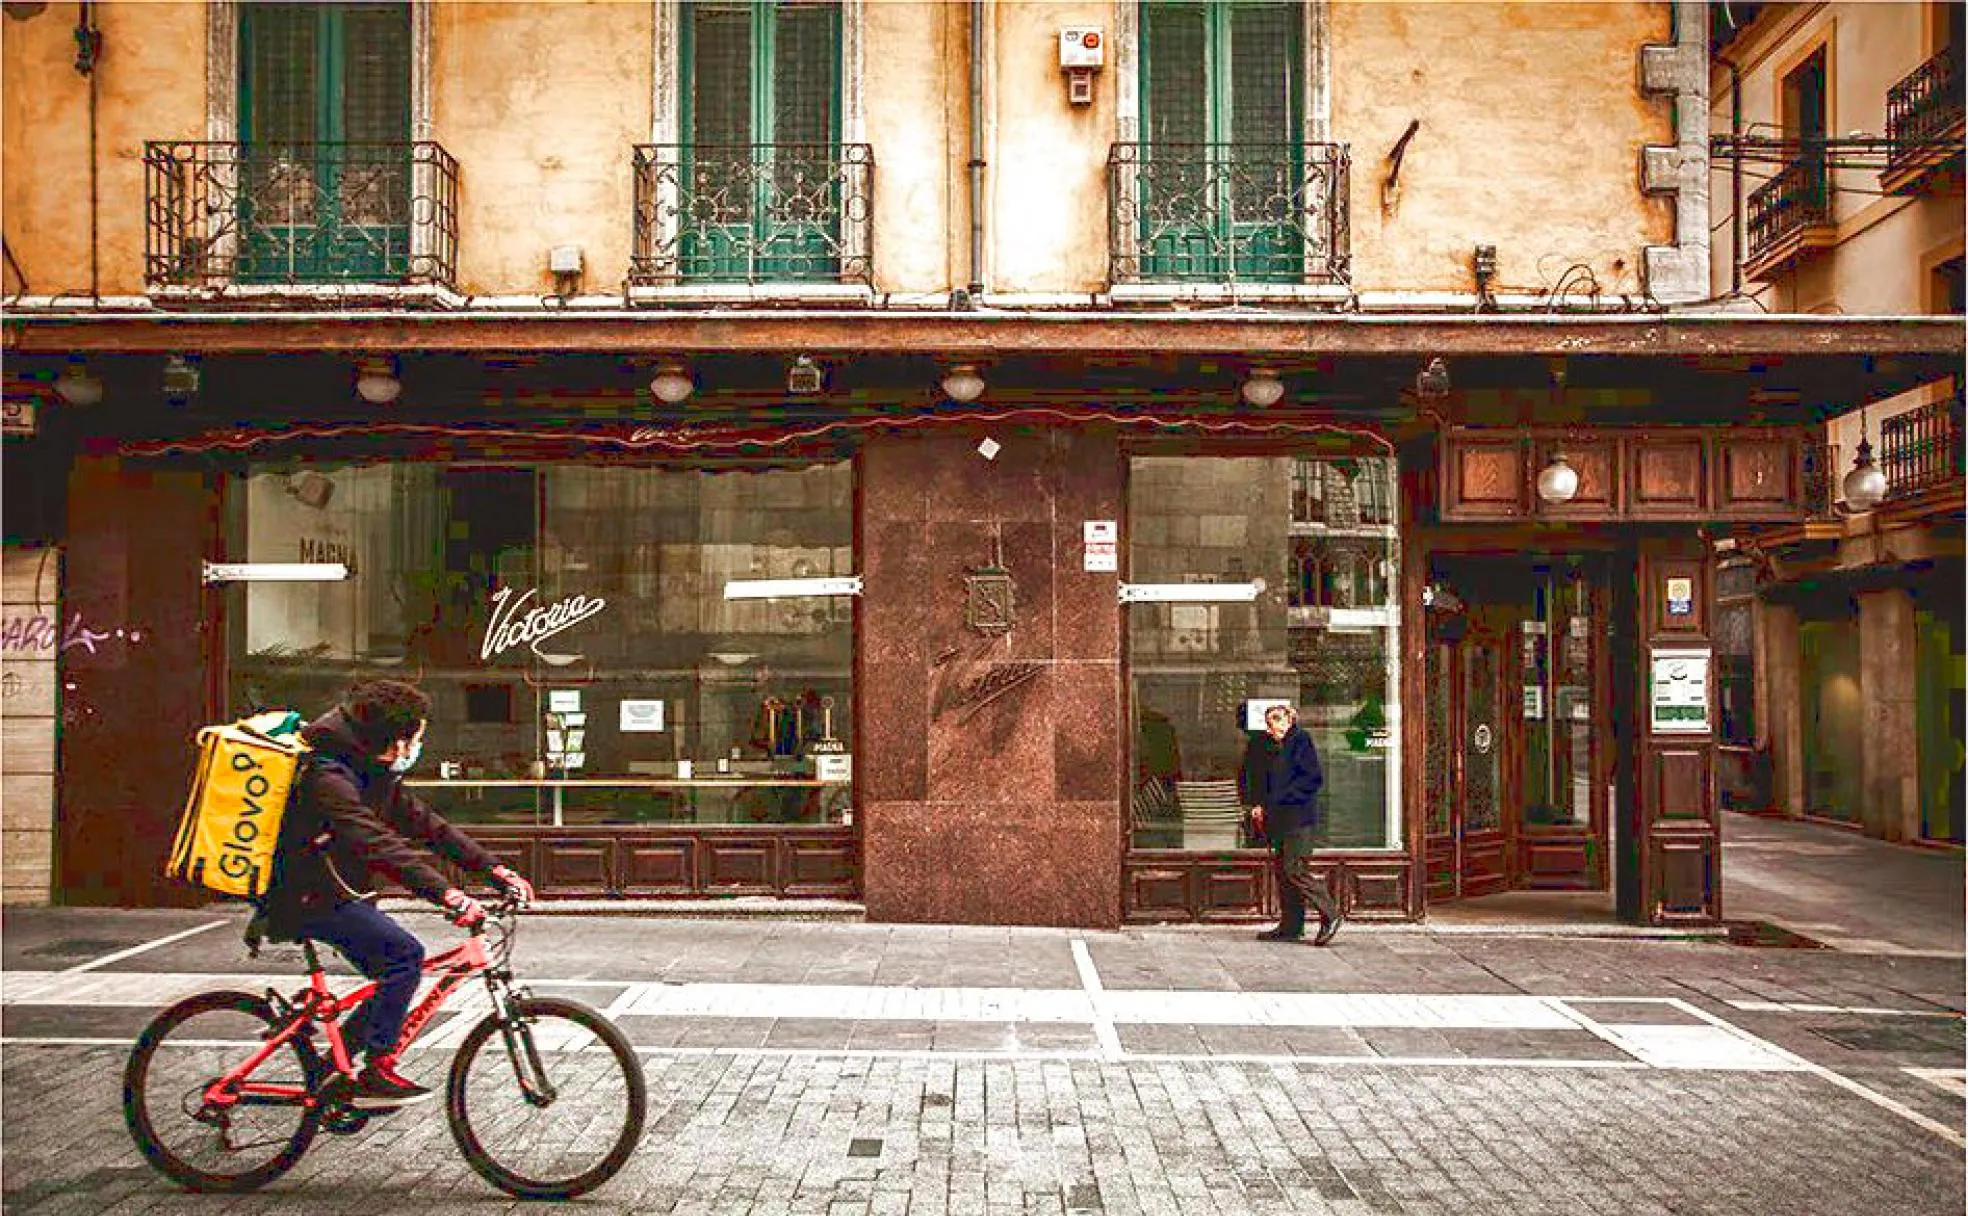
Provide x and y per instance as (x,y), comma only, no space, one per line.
(369,821)
(1291,785)
(1260,749)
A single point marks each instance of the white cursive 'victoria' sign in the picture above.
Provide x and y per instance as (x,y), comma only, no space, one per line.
(510,628)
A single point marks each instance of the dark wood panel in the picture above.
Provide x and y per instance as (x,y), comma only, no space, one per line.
(1597,461)
(1666,477)
(1483,478)
(738,865)
(1375,890)
(1758,476)
(658,867)
(1158,892)
(1564,864)
(575,866)
(1682,784)
(1232,893)
(1684,886)
(819,868)
(1668,614)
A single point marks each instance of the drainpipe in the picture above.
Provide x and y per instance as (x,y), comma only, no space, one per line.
(88,49)
(976,163)
(1735,176)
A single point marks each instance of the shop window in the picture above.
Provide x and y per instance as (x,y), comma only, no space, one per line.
(571,627)
(1322,634)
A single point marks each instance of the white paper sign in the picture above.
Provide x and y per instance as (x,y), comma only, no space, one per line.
(563,700)
(1677,692)
(642,717)
(1102,540)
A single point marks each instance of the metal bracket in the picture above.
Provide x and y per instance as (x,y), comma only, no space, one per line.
(272,572)
(1188,593)
(791,588)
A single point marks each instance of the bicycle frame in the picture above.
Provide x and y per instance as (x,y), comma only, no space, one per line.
(317,1003)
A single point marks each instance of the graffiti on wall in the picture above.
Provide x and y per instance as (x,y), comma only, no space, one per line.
(38,633)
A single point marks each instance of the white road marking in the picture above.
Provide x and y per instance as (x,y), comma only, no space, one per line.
(1861,1010)
(133,951)
(1951,1080)
(1951,1134)
(1096,995)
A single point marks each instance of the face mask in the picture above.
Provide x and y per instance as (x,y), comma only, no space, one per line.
(403,763)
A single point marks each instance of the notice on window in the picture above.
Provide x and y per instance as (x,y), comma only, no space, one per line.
(642,717)
(564,700)
(1677,692)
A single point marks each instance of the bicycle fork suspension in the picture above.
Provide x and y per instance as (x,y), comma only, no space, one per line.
(523,1050)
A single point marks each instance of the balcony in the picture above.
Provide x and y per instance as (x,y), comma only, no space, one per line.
(1268,217)
(1790,216)
(1920,450)
(1923,121)
(753,220)
(277,220)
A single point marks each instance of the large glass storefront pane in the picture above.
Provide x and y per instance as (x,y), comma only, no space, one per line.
(571,626)
(1318,537)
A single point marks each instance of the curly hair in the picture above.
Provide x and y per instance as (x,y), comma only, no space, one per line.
(382,711)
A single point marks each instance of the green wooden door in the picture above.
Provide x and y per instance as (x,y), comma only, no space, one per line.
(324,131)
(762,158)
(1222,179)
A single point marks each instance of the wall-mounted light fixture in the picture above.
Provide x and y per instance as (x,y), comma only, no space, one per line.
(1262,388)
(77,386)
(1558,481)
(804,376)
(376,382)
(181,379)
(672,384)
(1865,486)
(1432,381)
(963,383)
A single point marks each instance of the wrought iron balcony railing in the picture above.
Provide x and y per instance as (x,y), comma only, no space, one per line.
(753,213)
(1921,108)
(1798,197)
(219,215)
(1228,212)
(1921,449)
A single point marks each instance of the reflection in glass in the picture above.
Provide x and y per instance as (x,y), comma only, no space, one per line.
(570,627)
(1318,534)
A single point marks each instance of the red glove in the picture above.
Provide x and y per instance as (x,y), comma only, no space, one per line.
(515,882)
(464,911)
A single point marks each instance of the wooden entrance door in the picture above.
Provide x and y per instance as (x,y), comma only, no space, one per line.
(1473,812)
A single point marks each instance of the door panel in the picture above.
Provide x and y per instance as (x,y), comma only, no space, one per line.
(1489,814)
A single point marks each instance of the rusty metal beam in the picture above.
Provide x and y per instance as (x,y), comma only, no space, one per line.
(1102,333)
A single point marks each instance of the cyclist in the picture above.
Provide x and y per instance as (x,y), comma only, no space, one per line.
(351,816)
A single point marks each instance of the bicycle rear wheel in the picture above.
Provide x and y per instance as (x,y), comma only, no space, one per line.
(256,1132)
(550,1104)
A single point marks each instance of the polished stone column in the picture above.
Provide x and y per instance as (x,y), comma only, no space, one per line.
(990,763)
(1890,763)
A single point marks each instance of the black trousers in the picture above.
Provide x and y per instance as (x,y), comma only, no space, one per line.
(1291,865)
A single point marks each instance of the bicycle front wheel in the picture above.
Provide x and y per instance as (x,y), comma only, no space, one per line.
(234,1139)
(548,1104)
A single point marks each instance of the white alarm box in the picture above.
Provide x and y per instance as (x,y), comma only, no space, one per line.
(1082,46)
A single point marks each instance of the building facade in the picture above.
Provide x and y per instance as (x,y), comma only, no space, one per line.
(1843,632)
(889,451)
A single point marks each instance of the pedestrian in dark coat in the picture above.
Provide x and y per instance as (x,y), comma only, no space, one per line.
(1288,814)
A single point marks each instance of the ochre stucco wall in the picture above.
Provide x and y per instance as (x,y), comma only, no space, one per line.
(541,103)
(916,95)
(1048,189)
(1532,121)
(150,84)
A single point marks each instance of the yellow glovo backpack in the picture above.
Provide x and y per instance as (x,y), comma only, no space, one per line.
(246,772)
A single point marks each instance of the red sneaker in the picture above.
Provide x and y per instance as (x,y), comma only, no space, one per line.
(379,1084)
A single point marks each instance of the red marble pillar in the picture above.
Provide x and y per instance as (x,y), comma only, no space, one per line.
(989,770)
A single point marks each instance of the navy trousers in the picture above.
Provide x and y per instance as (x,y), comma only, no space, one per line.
(384,951)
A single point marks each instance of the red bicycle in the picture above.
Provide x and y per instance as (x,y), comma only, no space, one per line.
(546,1097)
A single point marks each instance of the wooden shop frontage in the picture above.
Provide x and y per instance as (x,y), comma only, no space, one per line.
(818,628)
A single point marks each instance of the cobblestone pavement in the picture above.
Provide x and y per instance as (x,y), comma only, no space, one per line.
(844,1069)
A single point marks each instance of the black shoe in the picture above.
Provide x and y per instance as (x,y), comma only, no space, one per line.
(1280,935)
(379,1085)
(1329,926)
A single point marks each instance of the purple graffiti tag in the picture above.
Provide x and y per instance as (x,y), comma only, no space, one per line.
(78,634)
(38,634)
